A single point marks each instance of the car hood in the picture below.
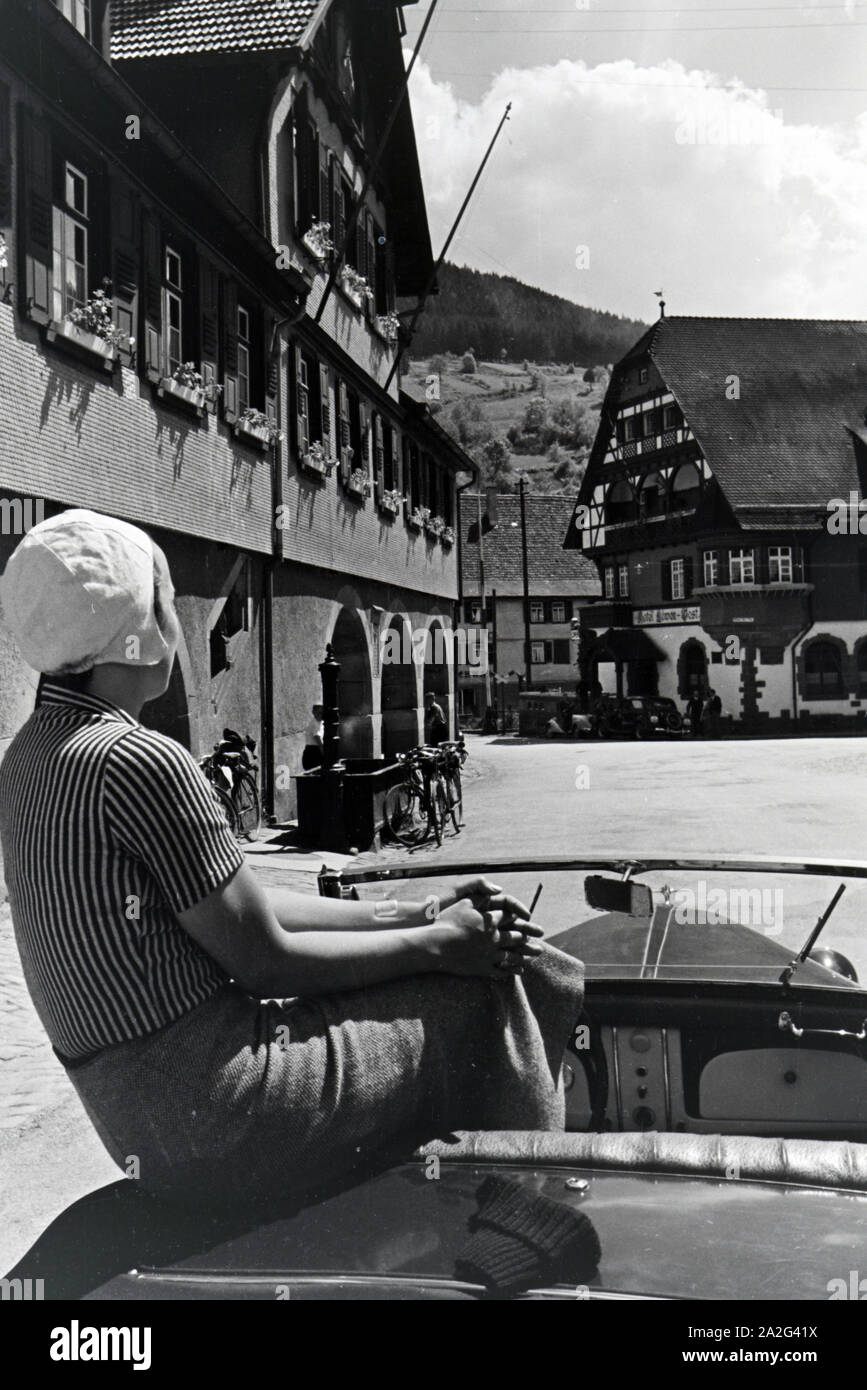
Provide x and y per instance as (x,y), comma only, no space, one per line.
(397,1236)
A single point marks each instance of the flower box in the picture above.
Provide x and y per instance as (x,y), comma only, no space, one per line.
(251,433)
(448,536)
(313,460)
(190,398)
(317,241)
(358,483)
(97,350)
(389,501)
(416,517)
(435,525)
(387,326)
(355,287)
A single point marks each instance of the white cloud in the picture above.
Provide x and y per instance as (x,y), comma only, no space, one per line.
(669,176)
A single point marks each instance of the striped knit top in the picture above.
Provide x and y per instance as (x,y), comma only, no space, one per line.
(108,830)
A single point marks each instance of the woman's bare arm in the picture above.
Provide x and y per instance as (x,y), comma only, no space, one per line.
(237,925)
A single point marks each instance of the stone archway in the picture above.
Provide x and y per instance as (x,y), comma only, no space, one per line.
(354,686)
(692,669)
(399,693)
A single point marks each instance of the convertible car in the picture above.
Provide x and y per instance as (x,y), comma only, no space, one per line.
(716,1089)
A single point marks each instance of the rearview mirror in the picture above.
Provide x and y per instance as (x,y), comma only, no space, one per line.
(619,895)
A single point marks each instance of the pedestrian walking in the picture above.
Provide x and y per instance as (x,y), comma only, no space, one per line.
(314,735)
(436,729)
(711,714)
(233,1040)
(694,712)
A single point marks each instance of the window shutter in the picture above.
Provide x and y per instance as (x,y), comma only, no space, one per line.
(230,350)
(687,577)
(373,268)
(302,404)
(666,581)
(5,159)
(395,481)
(562,651)
(337,197)
(124,254)
(378,456)
(360,251)
(366,433)
(209,305)
(324,184)
(191,340)
(325,408)
(153,277)
(344,428)
(569,609)
(271,368)
(36,217)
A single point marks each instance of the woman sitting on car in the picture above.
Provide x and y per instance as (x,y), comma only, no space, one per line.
(226,1036)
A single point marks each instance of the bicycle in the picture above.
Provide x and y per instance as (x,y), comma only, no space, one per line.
(453,757)
(418,804)
(231,770)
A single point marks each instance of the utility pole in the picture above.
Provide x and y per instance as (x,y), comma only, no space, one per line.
(528,648)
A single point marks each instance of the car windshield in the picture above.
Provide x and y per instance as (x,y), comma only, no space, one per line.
(733,923)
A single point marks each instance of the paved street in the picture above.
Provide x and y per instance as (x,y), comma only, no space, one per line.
(800,797)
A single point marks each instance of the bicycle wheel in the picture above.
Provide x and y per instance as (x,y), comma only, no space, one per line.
(227,806)
(405,814)
(455,796)
(248,809)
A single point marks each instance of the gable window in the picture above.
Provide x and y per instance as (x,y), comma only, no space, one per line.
(823,672)
(671,417)
(780,564)
(608,581)
(642,376)
(678,579)
(70,243)
(173,308)
(711,567)
(631,428)
(78,12)
(623,581)
(244,359)
(742,567)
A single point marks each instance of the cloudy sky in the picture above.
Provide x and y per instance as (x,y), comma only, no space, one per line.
(718,153)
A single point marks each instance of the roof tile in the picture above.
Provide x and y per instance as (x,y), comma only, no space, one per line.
(164,28)
(547,522)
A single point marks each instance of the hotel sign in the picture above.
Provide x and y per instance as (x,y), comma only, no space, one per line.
(655,617)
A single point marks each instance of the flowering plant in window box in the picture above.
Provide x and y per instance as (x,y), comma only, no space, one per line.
(4,253)
(389,501)
(318,241)
(315,460)
(187,386)
(90,328)
(358,483)
(388,326)
(435,525)
(355,286)
(448,536)
(256,426)
(417,517)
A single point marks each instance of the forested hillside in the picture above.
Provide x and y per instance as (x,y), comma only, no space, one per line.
(498,317)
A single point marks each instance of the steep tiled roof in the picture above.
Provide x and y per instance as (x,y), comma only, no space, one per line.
(161,28)
(547,521)
(800,383)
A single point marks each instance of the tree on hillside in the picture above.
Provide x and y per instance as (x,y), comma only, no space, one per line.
(498,469)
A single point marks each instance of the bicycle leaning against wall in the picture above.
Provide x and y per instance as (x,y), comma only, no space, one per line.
(232,771)
(429,795)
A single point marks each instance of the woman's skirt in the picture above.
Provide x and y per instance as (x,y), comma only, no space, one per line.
(276,1099)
